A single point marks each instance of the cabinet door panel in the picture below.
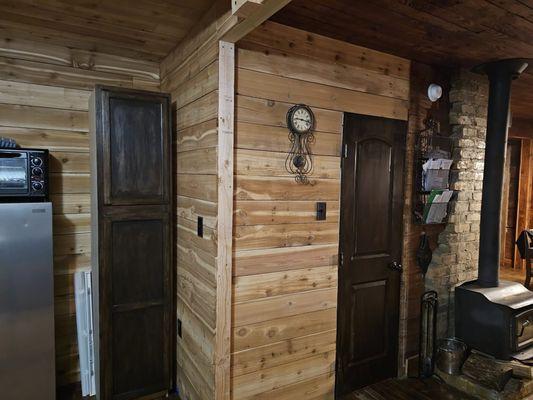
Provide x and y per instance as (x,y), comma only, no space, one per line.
(135,317)
(137,269)
(139,365)
(135,149)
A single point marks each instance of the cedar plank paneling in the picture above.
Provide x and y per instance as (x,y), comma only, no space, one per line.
(252,287)
(284,261)
(274,138)
(193,84)
(249,212)
(44,96)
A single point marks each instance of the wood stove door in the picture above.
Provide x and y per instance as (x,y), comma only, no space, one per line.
(370,246)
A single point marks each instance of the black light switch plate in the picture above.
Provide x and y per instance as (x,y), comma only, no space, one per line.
(320,211)
(179,327)
(200,226)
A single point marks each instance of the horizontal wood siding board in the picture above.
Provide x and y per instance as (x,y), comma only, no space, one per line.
(197,162)
(199,136)
(69,183)
(203,187)
(199,297)
(252,262)
(272,61)
(284,306)
(188,364)
(284,235)
(44,138)
(272,87)
(285,188)
(201,110)
(261,358)
(46,53)
(19,116)
(72,244)
(196,338)
(249,385)
(252,136)
(282,329)
(188,237)
(317,388)
(29,94)
(187,388)
(269,112)
(195,328)
(253,287)
(206,81)
(191,209)
(66,265)
(250,212)
(64,161)
(268,163)
(321,48)
(189,69)
(77,78)
(198,263)
(71,223)
(71,203)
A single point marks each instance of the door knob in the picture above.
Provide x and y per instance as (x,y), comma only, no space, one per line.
(396,266)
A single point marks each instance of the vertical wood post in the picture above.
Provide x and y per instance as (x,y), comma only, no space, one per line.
(226,107)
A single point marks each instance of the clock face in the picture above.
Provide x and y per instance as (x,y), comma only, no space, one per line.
(301,119)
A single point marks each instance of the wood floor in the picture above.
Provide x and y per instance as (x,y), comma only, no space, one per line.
(408,389)
(511,274)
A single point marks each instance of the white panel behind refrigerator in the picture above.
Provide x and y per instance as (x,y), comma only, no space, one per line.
(84,322)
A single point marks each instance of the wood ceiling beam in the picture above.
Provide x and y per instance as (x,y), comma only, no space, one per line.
(243,8)
(251,13)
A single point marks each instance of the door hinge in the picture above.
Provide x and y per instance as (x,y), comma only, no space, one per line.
(345,151)
(341,259)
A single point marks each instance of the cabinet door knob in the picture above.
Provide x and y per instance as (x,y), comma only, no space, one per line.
(396,266)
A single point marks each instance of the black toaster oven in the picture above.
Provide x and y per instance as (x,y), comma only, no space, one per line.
(23,175)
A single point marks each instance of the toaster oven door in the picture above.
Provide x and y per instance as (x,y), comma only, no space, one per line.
(14,179)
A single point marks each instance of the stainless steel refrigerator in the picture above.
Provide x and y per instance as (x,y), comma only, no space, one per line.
(27,356)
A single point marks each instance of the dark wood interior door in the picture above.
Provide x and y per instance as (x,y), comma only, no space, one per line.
(132,180)
(370,251)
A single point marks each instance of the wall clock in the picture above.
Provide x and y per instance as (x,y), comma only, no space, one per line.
(301,123)
(300,119)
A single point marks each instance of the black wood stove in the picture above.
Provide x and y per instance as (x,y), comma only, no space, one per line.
(493,316)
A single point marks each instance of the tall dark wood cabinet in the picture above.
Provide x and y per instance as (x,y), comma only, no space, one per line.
(132,242)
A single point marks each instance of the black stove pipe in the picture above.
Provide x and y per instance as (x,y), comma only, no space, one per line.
(500,73)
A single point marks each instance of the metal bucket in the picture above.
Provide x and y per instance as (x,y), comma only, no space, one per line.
(451,356)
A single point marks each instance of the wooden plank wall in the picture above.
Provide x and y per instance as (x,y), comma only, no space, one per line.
(285,262)
(190,73)
(44,92)
(193,86)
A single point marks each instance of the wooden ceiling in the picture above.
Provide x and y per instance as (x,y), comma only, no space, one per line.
(441,32)
(140,29)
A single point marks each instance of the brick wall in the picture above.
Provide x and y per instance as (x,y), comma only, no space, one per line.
(455,258)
